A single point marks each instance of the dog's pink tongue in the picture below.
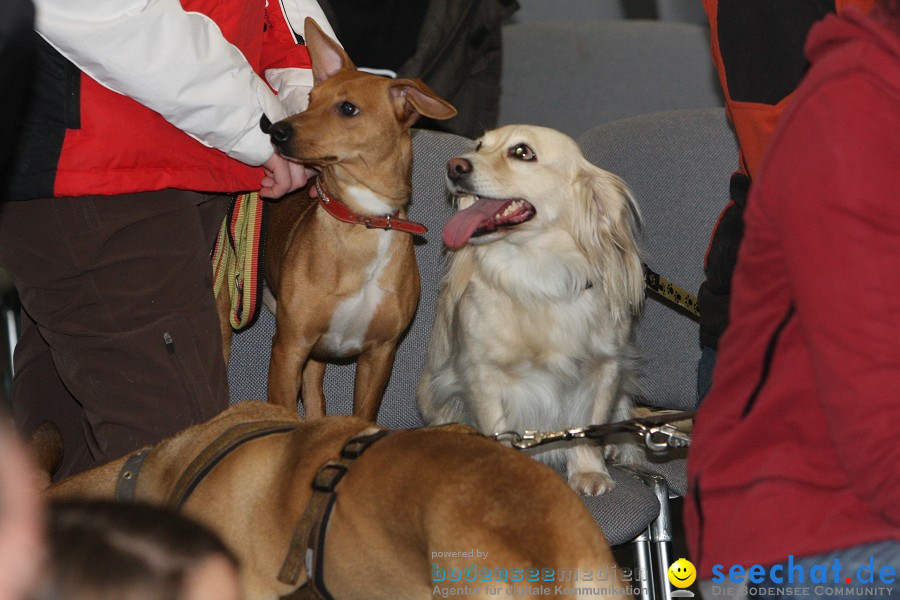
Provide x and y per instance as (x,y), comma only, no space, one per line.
(464,223)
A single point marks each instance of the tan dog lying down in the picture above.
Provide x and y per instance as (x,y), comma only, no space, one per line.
(405,506)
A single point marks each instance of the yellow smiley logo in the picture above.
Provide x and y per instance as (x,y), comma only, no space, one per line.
(682,573)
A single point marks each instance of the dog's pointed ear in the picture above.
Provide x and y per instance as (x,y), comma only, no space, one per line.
(326,55)
(413,98)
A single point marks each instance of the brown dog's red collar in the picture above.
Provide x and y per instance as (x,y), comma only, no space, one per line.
(342,212)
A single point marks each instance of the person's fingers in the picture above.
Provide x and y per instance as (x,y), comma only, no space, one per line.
(277,179)
(282,177)
(310,175)
(299,176)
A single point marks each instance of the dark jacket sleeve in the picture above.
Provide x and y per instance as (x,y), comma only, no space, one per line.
(16,51)
(460,57)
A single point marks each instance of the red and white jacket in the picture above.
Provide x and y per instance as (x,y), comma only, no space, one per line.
(169,94)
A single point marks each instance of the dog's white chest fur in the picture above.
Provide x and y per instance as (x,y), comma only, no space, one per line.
(353,316)
(541,350)
(545,359)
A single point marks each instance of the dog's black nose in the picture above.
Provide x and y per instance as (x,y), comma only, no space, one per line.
(280,132)
(457,167)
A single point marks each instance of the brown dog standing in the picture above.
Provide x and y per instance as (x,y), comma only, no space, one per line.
(345,289)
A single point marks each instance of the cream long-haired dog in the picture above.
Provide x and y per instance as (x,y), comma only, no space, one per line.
(534,325)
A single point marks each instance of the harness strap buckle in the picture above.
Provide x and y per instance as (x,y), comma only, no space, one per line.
(356,446)
(308,538)
(328,477)
(126,484)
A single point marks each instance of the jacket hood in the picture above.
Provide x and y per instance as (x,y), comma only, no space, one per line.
(855,34)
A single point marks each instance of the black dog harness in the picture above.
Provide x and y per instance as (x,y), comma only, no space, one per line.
(230,440)
(308,540)
(213,454)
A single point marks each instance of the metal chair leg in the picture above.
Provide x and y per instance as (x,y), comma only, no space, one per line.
(661,536)
(652,549)
(12,334)
(10,338)
(643,563)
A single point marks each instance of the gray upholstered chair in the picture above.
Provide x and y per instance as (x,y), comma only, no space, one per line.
(571,10)
(689,11)
(573,75)
(686,11)
(677,164)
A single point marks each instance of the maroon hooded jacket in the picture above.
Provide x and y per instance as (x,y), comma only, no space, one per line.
(794,448)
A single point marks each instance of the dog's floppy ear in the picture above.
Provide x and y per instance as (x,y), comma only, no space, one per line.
(413,98)
(326,55)
(611,232)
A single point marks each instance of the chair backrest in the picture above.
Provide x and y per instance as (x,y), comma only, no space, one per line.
(573,75)
(687,11)
(690,11)
(249,365)
(678,165)
(570,10)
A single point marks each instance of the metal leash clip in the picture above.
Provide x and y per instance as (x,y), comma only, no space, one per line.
(532,438)
(658,432)
(662,437)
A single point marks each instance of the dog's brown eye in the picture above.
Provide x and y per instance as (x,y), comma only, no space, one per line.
(477,146)
(348,109)
(522,152)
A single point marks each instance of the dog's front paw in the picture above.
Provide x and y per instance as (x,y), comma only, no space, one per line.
(591,484)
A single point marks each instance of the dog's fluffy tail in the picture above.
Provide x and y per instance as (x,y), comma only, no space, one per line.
(450,409)
(47,450)
(440,403)
(623,448)
(440,394)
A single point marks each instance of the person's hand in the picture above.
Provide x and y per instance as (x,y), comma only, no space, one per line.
(282,177)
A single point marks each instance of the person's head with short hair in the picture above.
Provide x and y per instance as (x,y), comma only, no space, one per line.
(104,550)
